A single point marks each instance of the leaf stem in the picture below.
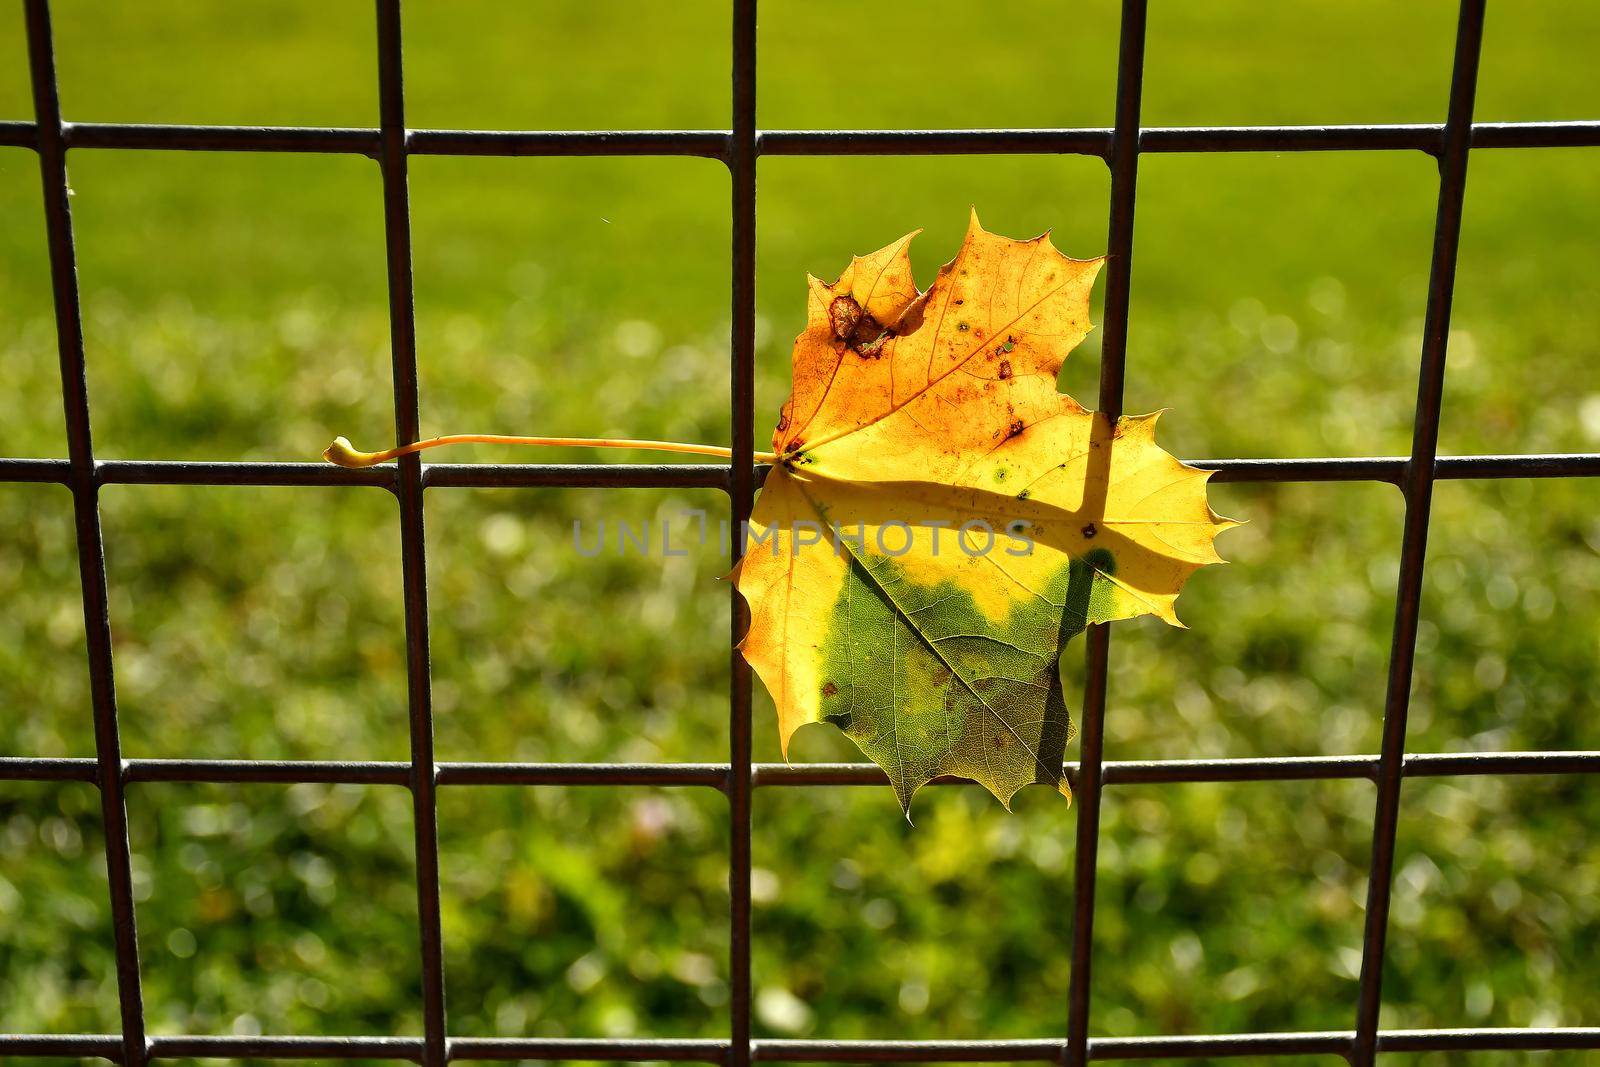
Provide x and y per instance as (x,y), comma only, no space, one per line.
(345,454)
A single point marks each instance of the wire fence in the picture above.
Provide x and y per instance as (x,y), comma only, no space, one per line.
(739,147)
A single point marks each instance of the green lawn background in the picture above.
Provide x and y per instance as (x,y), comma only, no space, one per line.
(235,307)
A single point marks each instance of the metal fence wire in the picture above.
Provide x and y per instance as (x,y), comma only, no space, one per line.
(392,144)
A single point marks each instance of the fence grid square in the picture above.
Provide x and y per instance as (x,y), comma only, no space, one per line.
(392,144)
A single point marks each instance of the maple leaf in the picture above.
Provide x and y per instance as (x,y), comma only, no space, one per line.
(941,521)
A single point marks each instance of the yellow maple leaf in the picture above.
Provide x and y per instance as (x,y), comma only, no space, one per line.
(940,521)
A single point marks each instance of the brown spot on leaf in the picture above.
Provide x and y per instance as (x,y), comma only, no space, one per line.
(829,689)
(1089,530)
(783,419)
(856,329)
(1005,369)
(1016,427)
(844,315)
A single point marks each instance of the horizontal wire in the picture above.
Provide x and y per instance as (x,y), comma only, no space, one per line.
(711,144)
(714,775)
(581,475)
(717,144)
(1290,1043)
(715,475)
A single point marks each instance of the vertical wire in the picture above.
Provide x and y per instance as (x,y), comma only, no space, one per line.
(1124,163)
(741,488)
(86,515)
(1418,486)
(413,543)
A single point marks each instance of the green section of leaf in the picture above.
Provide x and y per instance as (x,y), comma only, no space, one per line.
(926,684)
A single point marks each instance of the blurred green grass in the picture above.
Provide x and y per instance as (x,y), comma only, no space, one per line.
(235,308)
